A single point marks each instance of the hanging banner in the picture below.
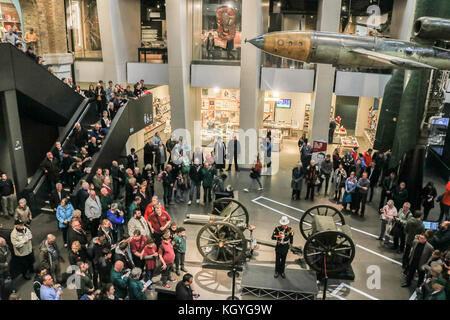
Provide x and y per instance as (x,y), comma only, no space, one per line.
(319,151)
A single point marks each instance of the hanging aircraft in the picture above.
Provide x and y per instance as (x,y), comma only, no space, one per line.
(344,50)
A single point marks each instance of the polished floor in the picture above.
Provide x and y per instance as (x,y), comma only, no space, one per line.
(265,208)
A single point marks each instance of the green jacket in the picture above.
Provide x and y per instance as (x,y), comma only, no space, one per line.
(106,202)
(179,244)
(97,182)
(135,290)
(440,295)
(208,177)
(120,284)
(133,206)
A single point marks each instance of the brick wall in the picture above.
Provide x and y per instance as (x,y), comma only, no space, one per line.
(47,18)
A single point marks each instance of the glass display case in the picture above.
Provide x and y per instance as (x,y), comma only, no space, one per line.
(217,30)
(438,134)
(83,28)
(153,47)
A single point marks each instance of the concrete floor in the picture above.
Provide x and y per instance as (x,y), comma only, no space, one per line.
(264,208)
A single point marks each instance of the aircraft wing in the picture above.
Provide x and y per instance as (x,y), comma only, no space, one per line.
(392,60)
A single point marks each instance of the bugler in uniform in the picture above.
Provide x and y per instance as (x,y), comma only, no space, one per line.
(284,236)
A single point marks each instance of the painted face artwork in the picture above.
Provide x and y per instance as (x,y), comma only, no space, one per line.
(226,21)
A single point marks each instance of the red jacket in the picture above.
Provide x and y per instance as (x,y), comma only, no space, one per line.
(367,159)
(149,211)
(354,155)
(446,195)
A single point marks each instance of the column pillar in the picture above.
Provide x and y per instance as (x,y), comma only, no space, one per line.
(327,20)
(120,33)
(402,19)
(252,99)
(14,139)
(179,57)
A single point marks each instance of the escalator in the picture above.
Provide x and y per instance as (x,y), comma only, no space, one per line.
(132,117)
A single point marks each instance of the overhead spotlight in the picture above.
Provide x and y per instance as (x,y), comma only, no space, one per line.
(276,94)
(216,90)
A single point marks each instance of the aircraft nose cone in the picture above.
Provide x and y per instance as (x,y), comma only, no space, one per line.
(257,42)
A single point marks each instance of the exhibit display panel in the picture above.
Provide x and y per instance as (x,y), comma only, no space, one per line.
(83,30)
(220,110)
(217,30)
(439,129)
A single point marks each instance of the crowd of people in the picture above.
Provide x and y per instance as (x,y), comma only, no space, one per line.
(354,178)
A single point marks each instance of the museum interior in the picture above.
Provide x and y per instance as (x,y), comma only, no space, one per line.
(224,149)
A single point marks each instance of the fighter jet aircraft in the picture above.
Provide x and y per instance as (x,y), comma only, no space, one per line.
(344,50)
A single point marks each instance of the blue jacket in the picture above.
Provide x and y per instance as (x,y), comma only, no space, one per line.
(64,213)
(115,220)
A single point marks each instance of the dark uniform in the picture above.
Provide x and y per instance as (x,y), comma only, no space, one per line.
(284,238)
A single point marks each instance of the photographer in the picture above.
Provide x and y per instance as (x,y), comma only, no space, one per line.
(116,217)
(184,290)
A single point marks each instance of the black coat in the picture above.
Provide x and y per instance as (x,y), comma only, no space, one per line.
(183,292)
(424,195)
(132,161)
(91,149)
(373,175)
(72,236)
(79,138)
(311,174)
(55,199)
(148,154)
(81,197)
(297,178)
(52,168)
(195,175)
(104,269)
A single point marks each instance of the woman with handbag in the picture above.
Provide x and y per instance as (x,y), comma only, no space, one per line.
(255,173)
(350,186)
(398,229)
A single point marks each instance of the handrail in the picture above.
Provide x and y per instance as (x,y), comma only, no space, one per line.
(38,178)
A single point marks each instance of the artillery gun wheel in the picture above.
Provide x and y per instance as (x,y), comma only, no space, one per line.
(215,242)
(238,211)
(336,246)
(322,210)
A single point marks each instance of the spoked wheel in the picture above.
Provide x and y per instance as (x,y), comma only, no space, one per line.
(215,242)
(321,210)
(237,213)
(337,247)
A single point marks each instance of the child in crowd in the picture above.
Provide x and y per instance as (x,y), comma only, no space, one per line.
(179,246)
(149,255)
(173,230)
